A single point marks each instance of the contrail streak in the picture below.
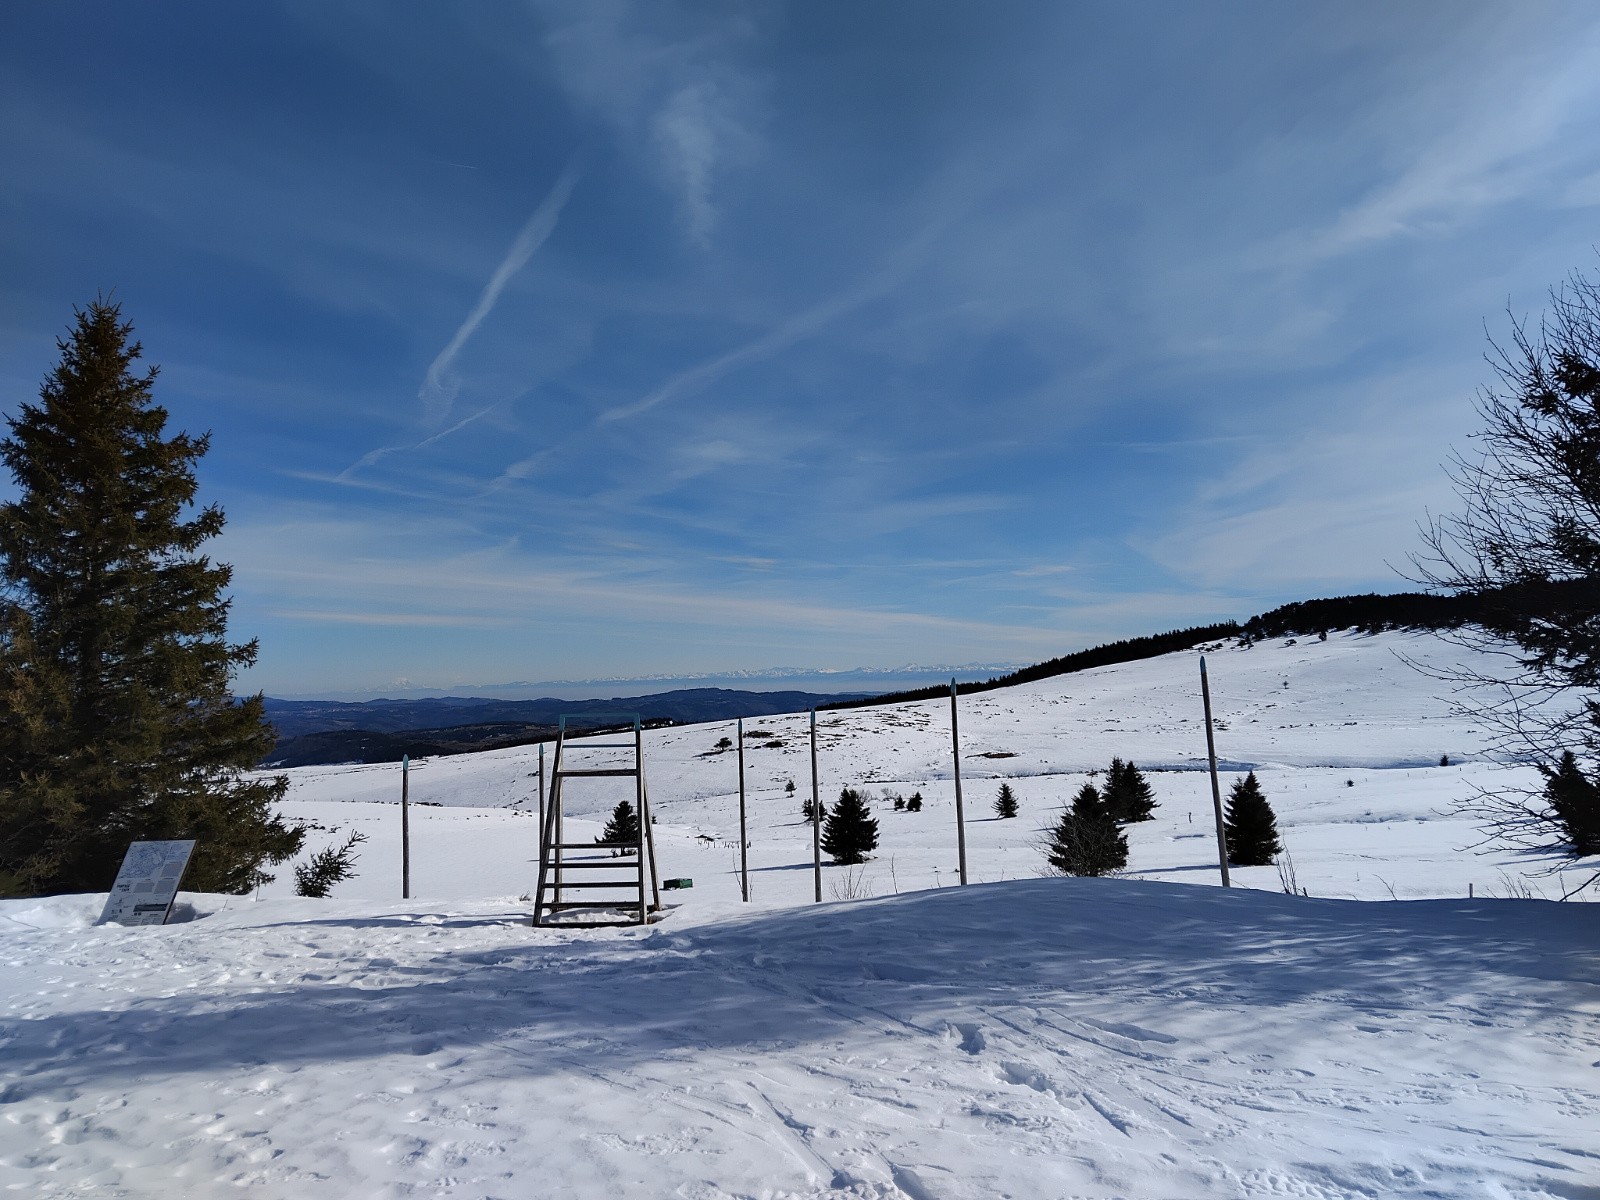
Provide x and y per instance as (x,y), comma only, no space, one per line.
(438,391)
(372,456)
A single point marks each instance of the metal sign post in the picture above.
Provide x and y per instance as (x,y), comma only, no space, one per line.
(961,823)
(1216,789)
(816,813)
(147,883)
(405,827)
(744,844)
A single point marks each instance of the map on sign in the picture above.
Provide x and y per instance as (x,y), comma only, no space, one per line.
(147,883)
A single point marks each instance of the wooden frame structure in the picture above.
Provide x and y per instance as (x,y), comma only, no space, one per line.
(611,884)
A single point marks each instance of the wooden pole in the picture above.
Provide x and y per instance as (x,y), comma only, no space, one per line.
(405,827)
(1216,788)
(961,821)
(744,858)
(541,796)
(816,813)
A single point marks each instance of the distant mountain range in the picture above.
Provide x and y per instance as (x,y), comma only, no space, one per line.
(325,731)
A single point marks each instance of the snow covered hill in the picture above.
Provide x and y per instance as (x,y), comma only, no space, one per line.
(1346,737)
(1022,1037)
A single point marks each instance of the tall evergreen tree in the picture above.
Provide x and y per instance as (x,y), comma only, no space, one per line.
(1574,801)
(1005,803)
(1085,839)
(1250,828)
(851,830)
(1127,794)
(117,719)
(623,827)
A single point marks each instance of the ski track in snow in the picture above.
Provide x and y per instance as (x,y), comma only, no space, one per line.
(1030,1038)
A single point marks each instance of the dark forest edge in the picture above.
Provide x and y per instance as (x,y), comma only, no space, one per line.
(1368,613)
(315,732)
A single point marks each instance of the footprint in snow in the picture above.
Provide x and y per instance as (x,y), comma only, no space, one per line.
(972,1039)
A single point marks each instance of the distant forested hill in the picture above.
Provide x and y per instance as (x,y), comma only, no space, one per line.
(312,731)
(320,731)
(1371,613)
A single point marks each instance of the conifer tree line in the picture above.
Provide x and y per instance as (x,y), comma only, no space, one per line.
(117,718)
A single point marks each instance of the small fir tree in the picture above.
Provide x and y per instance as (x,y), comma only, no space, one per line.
(915,803)
(623,827)
(1085,840)
(333,864)
(1005,804)
(788,788)
(851,831)
(117,715)
(1574,801)
(1127,795)
(1250,828)
(814,813)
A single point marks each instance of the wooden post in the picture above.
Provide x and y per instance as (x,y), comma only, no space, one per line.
(541,797)
(405,827)
(961,821)
(744,858)
(816,813)
(1216,788)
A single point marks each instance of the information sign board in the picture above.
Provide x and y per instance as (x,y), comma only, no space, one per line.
(147,883)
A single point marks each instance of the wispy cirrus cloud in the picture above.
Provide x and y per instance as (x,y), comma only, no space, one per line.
(1516,142)
(673,84)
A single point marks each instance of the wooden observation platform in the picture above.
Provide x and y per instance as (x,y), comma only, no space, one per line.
(589,884)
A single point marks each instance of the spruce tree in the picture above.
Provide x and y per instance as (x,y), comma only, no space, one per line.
(851,830)
(1085,839)
(813,814)
(1005,804)
(117,719)
(623,827)
(1574,801)
(1127,794)
(1250,828)
(317,876)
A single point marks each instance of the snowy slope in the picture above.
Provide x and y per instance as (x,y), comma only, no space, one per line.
(1346,736)
(1041,1038)
(1022,1037)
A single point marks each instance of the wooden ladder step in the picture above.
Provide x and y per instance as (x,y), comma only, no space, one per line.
(586,885)
(596,864)
(634,846)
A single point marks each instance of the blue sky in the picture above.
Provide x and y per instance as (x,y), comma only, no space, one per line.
(599,339)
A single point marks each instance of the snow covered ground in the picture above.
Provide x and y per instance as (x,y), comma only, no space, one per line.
(1024,1037)
(1345,736)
